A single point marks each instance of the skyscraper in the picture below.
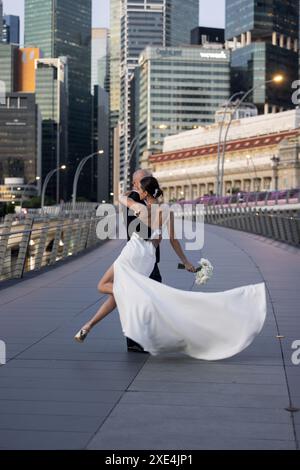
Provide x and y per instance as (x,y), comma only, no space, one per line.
(100,58)
(19,137)
(265,41)
(180,89)
(1,19)
(100,89)
(151,22)
(52,99)
(115,90)
(11,29)
(8,69)
(115,61)
(202,35)
(62,28)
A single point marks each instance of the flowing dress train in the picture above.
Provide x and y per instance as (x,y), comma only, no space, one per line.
(208,326)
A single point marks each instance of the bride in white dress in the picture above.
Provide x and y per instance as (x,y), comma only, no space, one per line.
(208,326)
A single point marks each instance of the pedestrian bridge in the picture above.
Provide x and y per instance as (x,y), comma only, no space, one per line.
(58,394)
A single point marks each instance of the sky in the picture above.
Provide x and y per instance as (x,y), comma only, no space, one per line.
(212,12)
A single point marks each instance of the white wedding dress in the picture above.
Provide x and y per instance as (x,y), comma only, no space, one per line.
(208,326)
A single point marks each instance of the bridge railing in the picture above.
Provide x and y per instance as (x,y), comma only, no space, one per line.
(281,225)
(252,199)
(36,242)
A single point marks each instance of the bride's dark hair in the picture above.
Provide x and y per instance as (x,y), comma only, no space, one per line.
(151,185)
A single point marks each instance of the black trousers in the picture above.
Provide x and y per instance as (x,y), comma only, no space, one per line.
(156,276)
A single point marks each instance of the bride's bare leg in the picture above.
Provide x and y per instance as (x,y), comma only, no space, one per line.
(105,309)
(106,287)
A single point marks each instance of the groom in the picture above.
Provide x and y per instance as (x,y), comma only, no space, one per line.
(132,346)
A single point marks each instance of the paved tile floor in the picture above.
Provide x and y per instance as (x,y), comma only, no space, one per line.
(57,394)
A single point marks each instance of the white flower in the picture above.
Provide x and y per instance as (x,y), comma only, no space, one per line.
(205,273)
(204,262)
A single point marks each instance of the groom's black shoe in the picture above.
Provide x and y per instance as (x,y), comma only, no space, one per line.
(132,346)
(137,349)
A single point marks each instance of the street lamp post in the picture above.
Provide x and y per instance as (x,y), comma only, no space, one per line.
(276,79)
(47,179)
(228,103)
(78,171)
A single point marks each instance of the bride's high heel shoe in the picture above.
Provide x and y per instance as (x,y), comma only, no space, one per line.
(81,335)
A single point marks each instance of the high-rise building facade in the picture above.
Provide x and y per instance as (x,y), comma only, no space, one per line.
(19,137)
(100,58)
(150,22)
(101,142)
(202,35)
(1,19)
(11,29)
(62,28)
(26,69)
(8,68)
(102,168)
(265,41)
(179,89)
(115,91)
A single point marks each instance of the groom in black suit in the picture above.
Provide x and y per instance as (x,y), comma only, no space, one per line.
(132,346)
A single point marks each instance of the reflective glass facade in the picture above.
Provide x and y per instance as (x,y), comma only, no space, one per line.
(179,89)
(265,38)
(100,60)
(11,24)
(52,98)
(1,19)
(255,64)
(19,130)
(115,60)
(181,18)
(8,61)
(262,18)
(62,28)
(39,26)
(143,23)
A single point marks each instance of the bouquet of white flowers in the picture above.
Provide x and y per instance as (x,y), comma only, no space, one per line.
(205,272)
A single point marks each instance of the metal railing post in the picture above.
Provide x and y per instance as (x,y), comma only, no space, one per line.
(23,249)
(4,238)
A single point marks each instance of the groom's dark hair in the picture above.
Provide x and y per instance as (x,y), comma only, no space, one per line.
(151,185)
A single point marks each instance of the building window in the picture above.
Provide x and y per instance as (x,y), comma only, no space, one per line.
(247,185)
(267,184)
(202,189)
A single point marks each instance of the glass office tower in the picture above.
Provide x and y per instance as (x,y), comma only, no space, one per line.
(52,99)
(62,28)
(100,58)
(19,135)
(179,89)
(265,41)
(11,29)
(1,19)
(143,23)
(8,68)
(262,18)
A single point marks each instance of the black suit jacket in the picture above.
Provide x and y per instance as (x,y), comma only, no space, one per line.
(130,217)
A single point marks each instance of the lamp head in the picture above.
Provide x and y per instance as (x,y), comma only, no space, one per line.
(63,167)
(278,78)
(100,152)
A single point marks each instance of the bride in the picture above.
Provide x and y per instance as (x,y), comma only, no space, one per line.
(208,326)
